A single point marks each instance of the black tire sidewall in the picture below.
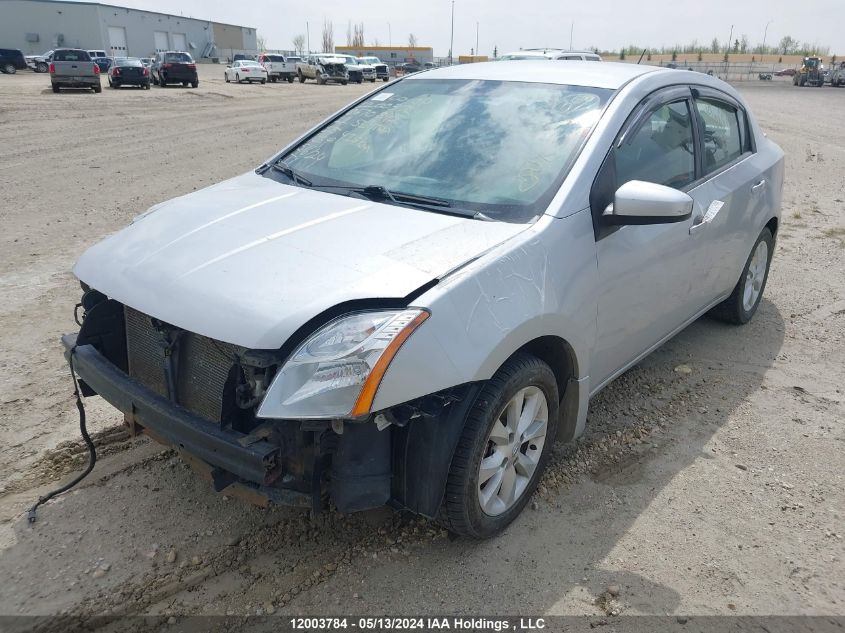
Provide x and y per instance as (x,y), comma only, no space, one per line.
(743,314)
(461,499)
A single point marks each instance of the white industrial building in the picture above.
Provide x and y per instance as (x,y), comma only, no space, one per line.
(35,26)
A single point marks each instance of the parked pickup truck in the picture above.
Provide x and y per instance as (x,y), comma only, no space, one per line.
(278,68)
(74,68)
(323,68)
(382,71)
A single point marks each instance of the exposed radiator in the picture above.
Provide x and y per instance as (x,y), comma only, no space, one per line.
(202,365)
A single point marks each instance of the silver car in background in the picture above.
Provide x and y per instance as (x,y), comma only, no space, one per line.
(413,301)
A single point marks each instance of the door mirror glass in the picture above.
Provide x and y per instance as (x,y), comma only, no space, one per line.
(639,202)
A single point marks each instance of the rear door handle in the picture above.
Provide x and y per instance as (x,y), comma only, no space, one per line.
(759,186)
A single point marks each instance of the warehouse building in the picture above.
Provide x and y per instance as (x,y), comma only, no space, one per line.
(35,26)
(391,55)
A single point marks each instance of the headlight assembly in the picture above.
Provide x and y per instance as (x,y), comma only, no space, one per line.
(336,371)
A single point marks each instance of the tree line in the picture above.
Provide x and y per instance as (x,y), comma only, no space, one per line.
(741,45)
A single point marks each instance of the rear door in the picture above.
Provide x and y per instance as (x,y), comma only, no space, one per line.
(732,191)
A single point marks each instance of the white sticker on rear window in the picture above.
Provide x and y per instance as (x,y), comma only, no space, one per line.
(382,96)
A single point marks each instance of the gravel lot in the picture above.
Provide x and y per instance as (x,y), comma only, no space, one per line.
(710,480)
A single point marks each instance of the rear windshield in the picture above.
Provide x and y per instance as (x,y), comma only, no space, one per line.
(71,56)
(274,58)
(128,62)
(178,57)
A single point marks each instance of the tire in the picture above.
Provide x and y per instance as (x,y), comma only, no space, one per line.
(146,86)
(195,83)
(373,80)
(237,78)
(98,88)
(462,511)
(41,67)
(185,84)
(263,81)
(742,304)
(301,78)
(226,77)
(55,88)
(360,81)
(290,79)
(10,69)
(343,83)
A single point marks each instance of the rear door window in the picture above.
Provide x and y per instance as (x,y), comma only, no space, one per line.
(723,133)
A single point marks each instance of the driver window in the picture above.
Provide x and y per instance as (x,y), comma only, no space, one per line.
(661,150)
(722,136)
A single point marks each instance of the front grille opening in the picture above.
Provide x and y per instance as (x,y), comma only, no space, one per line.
(205,374)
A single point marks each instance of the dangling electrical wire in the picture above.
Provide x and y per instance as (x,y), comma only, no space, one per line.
(92,452)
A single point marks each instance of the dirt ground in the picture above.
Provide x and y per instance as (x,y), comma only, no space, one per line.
(710,479)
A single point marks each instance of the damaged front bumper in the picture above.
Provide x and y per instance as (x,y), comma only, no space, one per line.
(256,461)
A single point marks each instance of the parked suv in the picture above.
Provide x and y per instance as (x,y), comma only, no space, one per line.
(175,67)
(11,60)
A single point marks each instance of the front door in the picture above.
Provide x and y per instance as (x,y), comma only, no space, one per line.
(647,272)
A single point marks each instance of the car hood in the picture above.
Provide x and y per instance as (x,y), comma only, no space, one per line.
(249,260)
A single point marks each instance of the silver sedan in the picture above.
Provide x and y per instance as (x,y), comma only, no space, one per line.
(413,301)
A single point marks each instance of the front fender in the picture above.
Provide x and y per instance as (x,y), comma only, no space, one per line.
(540,283)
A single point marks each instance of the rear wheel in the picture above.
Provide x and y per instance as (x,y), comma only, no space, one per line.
(290,79)
(55,88)
(195,83)
(301,78)
(147,86)
(746,295)
(10,69)
(385,78)
(98,88)
(503,449)
(263,81)
(41,67)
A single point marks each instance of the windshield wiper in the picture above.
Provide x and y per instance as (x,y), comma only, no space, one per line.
(286,169)
(398,197)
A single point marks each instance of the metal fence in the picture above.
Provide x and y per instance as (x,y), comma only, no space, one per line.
(730,71)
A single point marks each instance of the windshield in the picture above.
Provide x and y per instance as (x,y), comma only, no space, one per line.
(351,61)
(499,148)
(177,57)
(370,60)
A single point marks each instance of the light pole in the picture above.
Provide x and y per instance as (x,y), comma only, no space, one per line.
(765,32)
(476,38)
(389,36)
(308,36)
(571,30)
(452,37)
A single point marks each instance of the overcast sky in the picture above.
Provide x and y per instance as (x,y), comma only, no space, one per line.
(513,24)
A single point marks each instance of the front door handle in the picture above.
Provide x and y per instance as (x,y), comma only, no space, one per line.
(698,223)
(759,186)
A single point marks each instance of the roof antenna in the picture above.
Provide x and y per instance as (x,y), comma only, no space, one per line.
(642,55)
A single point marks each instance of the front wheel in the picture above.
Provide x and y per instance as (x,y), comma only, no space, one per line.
(290,79)
(42,67)
(301,78)
(10,69)
(503,449)
(746,295)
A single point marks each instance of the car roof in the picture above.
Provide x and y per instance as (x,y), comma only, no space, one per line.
(611,75)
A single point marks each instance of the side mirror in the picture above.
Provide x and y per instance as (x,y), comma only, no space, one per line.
(639,202)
